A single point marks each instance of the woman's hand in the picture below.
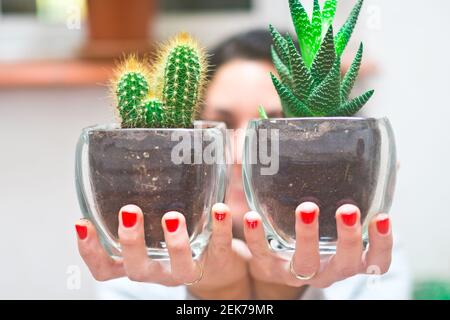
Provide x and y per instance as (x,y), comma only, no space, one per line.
(222,268)
(268,268)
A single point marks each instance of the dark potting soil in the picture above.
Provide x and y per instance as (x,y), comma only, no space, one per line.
(132,167)
(322,163)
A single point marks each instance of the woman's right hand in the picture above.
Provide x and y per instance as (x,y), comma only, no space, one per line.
(223,265)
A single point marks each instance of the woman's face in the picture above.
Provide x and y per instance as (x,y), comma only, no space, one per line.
(234,94)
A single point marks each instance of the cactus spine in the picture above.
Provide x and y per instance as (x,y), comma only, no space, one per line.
(167,94)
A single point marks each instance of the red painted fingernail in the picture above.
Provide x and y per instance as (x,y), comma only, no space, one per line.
(81,231)
(349,218)
(252,224)
(308,216)
(129,219)
(172,224)
(383,226)
(220,216)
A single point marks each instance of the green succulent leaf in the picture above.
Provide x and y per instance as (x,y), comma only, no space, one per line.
(311,83)
(345,33)
(326,96)
(328,14)
(292,107)
(280,46)
(301,77)
(303,28)
(282,70)
(316,27)
(351,107)
(351,75)
(262,113)
(325,58)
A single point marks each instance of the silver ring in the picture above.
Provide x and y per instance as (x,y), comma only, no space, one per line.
(299,276)
(200,276)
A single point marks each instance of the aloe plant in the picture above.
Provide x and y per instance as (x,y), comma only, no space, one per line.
(166,94)
(310,83)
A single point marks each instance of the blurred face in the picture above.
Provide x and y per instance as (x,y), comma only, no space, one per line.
(238,88)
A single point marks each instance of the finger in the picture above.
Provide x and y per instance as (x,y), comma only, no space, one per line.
(101,265)
(348,259)
(183,267)
(378,257)
(138,266)
(306,259)
(255,236)
(222,235)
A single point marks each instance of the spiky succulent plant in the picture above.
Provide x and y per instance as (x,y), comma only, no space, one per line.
(310,83)
(165,95)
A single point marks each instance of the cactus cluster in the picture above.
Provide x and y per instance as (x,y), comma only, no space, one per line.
(310,83)
(166,94)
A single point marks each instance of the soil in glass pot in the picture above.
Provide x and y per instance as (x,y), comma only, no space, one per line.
(136,166)
(329,161)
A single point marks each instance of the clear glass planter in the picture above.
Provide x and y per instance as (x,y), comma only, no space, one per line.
(159,170)
(329,161)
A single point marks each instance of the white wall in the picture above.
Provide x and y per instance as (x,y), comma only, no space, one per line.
(412,48)
(38,132)
(39,128)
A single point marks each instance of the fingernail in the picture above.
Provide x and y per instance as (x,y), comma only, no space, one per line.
(349,218)
(252,224)
(172,224)
(129,219)
(220,216)
(307,216)
(81,231)
(383,226)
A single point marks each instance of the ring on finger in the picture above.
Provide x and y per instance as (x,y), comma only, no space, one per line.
(200,275)
(299,276)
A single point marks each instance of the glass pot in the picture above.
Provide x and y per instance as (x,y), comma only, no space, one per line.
(328,161)
(159,170)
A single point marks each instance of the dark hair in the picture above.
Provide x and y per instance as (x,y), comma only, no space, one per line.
(252,45)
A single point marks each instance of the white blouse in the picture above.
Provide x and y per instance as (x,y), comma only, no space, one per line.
(396,284)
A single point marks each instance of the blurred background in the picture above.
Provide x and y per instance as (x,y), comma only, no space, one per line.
(56,57)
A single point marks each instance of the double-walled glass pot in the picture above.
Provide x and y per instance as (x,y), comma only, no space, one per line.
(159,170)
(329,161)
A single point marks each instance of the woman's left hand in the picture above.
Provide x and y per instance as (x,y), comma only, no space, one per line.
(268,268)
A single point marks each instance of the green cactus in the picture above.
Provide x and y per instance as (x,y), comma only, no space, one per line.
(154,117)
(181,84)
(131,89)
(165,95)
(310,83)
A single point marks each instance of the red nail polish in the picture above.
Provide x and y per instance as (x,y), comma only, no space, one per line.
(81,231)
(172,224)
(129,219)
(383,226)
(220,216)
(349,219)
(308,216)
(252,224)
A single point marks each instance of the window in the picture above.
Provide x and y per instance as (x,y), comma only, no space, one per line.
(17,7)
(205,5)
(34,7)
(55,11)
